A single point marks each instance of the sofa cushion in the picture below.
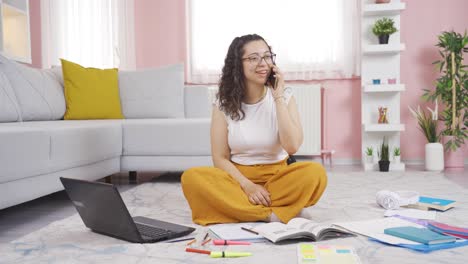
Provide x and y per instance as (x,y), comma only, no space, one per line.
(39,95)
(9,109)
(77,143)
(91,93)
(166,137)
(24,151)
(153,93)
(197,103)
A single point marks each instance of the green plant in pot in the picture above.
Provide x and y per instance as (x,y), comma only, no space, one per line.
(369,154)
(383,153)
(452,90)
(383,28)
(396,155)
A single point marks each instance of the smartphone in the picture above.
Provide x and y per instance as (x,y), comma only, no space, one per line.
(271,80)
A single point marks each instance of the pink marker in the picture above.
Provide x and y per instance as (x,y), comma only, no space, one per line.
(222,242)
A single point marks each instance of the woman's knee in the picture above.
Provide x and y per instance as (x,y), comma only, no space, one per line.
(314,173)
(191,176)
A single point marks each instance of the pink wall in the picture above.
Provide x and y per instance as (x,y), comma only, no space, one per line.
(422,21)
(159,32)
(160,40)
(35,26)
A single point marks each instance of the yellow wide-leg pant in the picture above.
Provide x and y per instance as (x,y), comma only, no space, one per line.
(215,197)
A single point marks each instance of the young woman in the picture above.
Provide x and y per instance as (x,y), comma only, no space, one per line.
(255,126)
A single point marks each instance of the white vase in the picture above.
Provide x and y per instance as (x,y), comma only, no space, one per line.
(434,157)
(396,159)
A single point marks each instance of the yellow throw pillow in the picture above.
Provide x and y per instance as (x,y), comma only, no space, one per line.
(91,93)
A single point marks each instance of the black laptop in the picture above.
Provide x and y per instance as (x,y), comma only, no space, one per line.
(102,210)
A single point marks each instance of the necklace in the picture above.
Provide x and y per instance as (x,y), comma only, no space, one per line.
(263,95)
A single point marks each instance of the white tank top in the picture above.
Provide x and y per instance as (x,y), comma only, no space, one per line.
(255,139)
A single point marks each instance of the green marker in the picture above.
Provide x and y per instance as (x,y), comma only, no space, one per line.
(228,254)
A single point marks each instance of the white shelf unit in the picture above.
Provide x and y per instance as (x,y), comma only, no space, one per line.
(380,61)
(383,127)
(381,88)
(15,37)
(392,8)
(377,49)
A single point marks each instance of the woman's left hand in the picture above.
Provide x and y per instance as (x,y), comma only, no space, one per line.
(278,91)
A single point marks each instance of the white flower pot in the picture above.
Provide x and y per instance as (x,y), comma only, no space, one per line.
(396,159)
(369,159)
(434,157)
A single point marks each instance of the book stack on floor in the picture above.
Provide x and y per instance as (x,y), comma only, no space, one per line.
(421,235)
(448,229)
(428,203)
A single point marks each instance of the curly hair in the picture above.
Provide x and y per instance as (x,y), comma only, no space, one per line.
(232,84)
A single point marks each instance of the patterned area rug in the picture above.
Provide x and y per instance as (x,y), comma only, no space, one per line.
(349,196)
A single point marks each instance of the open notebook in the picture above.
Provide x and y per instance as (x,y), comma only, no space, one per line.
(298,228)
(235,232)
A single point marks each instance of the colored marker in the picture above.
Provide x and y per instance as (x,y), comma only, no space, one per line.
(191,242)
(206,242)
(201,251)
(229,254)
(222,242)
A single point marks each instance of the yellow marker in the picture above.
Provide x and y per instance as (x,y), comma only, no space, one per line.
(228,254)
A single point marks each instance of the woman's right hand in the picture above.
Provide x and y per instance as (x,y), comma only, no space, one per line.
(257,194)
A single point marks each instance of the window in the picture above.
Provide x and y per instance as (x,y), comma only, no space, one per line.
(312,39)
(93,33)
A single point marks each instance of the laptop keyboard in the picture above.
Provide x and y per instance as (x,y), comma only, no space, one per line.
(152,231)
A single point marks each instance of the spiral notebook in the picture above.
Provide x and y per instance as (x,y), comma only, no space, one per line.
(235,232)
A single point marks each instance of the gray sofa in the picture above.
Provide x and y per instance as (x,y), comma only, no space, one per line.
(166,129)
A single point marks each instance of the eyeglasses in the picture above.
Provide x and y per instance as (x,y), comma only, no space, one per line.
(257,59)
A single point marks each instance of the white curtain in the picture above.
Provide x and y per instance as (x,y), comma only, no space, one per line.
(313,39)
(93,33)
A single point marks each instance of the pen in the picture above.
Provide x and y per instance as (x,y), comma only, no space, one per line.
(206,236)
(222,242)
(206,242)
(249,230)
(179,240)
(229,254)
(191,242)
(201,251)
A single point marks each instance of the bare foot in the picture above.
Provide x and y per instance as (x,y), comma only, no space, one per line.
(304,214)
(273,218)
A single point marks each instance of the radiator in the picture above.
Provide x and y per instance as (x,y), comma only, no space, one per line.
(308,98)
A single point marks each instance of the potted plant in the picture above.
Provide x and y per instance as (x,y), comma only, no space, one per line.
(384,162)
(369,154)
(434,151)
(452,89)
(396,155)
(383,28)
